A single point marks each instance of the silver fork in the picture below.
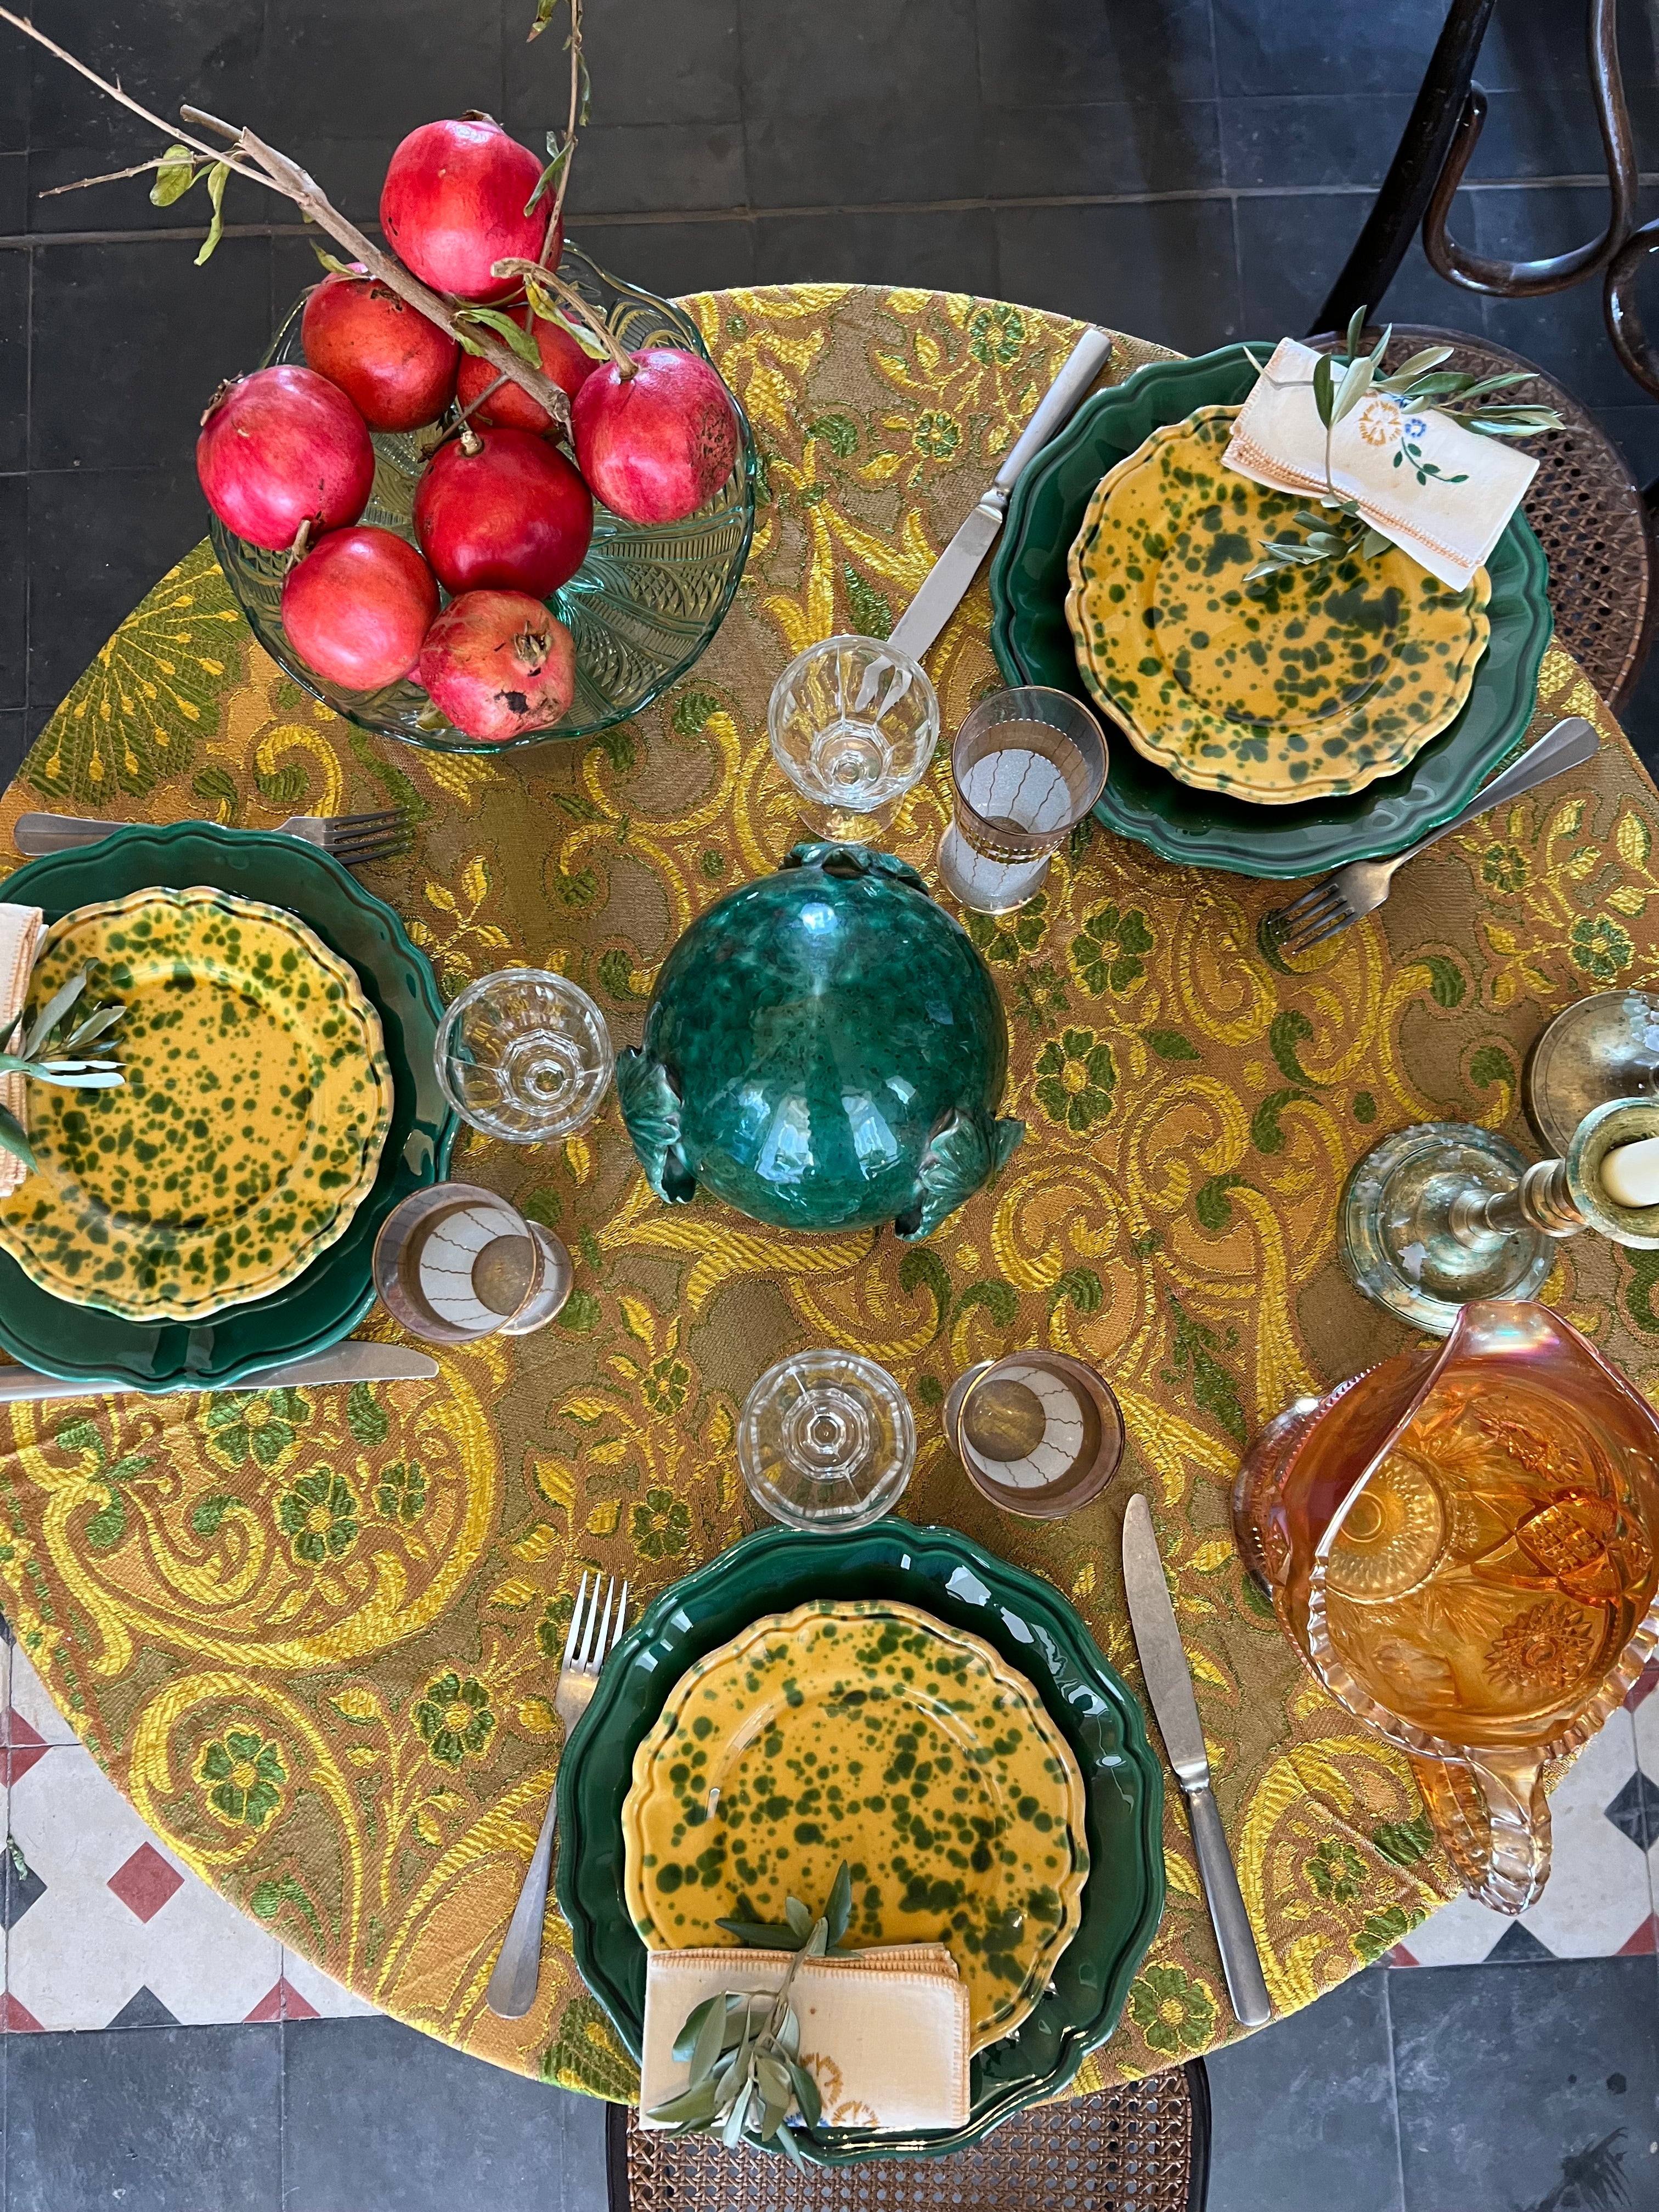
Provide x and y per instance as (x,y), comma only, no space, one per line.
(1360,888)
(351,839)
(512,1989)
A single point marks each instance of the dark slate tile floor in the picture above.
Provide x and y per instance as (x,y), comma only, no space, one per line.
(1192,169)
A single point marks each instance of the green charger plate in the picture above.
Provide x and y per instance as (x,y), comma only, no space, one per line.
(326,1303)
(1038,1633)
(1033,644)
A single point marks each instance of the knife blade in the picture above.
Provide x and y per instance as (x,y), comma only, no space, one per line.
(945,582)
(354,1361)
(1169,1687)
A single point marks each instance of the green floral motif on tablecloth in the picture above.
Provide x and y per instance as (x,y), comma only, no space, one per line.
(1504,868)
(400,1494)
(454,1718)
(1336,1870)
(245,1776)
(260,1426)
(1007,937)
(321,1514)
(1599,947)
(660,1525)
(1107,952)
(1075,1079)
(1175,2013)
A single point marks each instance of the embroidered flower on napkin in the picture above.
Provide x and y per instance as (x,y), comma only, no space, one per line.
(1442,494)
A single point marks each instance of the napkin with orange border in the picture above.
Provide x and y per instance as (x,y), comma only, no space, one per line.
(20,930)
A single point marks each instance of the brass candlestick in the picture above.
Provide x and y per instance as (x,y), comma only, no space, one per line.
(1443,1213)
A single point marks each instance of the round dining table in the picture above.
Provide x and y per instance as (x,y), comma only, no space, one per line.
(354,1738)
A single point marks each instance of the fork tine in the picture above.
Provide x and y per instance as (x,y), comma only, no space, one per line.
(372,848)
(622,1615)
(1285,919)
(371,833)
(575,1622)
(594,1646)
(1334,926)
(340,823)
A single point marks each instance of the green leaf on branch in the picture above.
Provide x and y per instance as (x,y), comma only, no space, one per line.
(333,264)
(12,1140)
(1324,391)
(550,175)
(543,17)
(216,176)
(173,177)
(509,332)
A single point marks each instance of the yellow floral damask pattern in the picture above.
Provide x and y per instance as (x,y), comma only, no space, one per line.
(313,1634)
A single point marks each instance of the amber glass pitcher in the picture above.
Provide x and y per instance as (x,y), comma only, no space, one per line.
(1463,1546)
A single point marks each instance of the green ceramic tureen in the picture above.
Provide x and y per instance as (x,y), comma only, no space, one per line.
(824,1049)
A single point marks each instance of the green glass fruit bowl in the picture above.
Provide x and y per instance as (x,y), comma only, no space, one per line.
(1039,1634)
(643,607)
(1033,643)
(326,1302)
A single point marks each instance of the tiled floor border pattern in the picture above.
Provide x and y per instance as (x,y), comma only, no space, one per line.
(105,1928)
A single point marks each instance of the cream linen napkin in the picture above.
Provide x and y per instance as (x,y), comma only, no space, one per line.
(885,2033)
(1448,528)
(20,933)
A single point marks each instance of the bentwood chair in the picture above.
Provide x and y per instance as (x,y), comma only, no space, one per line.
(1595,522)
(1143,2147)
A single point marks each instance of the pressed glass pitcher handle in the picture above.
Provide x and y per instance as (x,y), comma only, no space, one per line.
(1489,1811)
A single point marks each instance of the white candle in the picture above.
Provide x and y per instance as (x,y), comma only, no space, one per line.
(1629,1173)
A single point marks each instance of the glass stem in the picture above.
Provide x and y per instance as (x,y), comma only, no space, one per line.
(1539,1199)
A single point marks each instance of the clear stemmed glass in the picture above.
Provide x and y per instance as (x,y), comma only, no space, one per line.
(826,1440)
(854,722)
(525,1055)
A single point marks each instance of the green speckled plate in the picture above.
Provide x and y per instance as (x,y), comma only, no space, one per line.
(867,1732)
(331,1295)
(1309,681)
(1032,641)
(247,1128)
(1035,1632)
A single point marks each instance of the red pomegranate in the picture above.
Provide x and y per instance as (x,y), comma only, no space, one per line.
(397,368)
(563,360)
(654,446)
(453,203)
(498,664)
(356,608)
(513,516)
(281,447)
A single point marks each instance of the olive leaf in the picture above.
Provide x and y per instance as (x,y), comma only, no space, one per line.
(175,172)
(216,176)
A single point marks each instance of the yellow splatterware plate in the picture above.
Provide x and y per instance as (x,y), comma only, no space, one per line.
(868,1732)
(1306,684)
(248,1129)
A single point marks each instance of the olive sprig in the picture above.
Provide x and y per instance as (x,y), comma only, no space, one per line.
(47,1056)
(744,2048)
(1340,381)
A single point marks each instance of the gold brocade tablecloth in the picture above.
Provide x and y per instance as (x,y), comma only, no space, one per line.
(354,1738)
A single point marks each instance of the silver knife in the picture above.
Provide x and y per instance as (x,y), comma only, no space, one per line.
(1170,1687)
(354,1361)
(945,582)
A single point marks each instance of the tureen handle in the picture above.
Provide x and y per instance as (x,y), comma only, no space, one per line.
(962,1153)
(650,1103)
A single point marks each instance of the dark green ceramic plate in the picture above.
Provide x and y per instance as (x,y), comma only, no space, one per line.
(1205,828)
(1037,1632)
(336,1290)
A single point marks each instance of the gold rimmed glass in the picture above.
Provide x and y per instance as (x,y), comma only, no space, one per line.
(1028,764)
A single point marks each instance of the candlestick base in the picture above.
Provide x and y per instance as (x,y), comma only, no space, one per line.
(1604,1048)
(1397,1238)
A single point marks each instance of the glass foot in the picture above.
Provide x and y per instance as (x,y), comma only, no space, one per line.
(1396,1235)
(1605,1046)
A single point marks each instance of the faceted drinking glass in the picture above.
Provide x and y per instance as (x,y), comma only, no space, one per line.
(525,1055)
(826,1440)
(854,723)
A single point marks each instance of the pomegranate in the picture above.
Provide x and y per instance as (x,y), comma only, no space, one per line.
(564,361)
(356,608)
(514,516)
(281,447)
(453,203)
(498,664)
(654,446)
(397,368)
